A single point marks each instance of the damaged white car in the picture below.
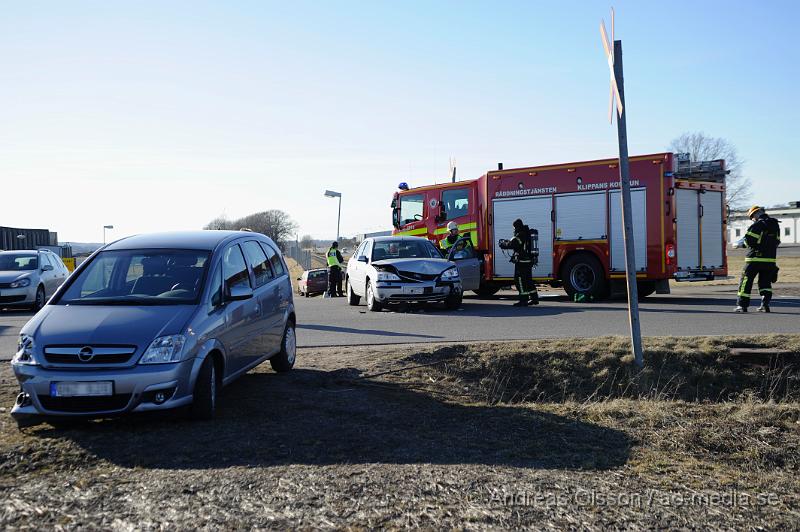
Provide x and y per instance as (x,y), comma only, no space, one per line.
(388,270)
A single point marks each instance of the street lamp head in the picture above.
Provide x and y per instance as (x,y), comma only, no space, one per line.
(108,227)
(332,194)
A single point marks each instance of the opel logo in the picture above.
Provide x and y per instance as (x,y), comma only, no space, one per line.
(86,354)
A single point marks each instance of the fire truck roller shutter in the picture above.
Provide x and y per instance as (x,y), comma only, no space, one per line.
(617,243)
(687,212)
(712,226)
(535,213)
(581,216)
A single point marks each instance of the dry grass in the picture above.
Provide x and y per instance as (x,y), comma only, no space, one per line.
(789,271)
(689,369)
(440,437)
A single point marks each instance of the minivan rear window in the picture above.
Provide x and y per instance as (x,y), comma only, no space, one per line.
(139,277)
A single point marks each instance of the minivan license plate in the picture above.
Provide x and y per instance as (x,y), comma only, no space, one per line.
(81,389)
(412,290)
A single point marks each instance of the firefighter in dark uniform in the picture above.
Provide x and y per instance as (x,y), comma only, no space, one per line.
(335,260)
(523,264)
(762,240)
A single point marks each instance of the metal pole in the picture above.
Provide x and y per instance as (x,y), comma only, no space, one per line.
(630,256)
(339,218)
(104,235)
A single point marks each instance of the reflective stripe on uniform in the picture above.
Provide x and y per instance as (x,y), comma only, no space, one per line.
(759,259)
(742,284)
(762,290)
(754,235)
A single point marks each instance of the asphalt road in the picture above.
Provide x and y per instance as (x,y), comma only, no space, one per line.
(690,310)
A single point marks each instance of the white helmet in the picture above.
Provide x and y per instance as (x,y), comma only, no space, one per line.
(452,226)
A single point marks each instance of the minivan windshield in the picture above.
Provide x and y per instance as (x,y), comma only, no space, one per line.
(139,277)
(10,262)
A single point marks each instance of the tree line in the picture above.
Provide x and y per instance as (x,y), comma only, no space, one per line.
(274,223)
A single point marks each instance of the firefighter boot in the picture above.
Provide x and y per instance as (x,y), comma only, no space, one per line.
(765,299)
(534,298)
(521,304)
(740,309)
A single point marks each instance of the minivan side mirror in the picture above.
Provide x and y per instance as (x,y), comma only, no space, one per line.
(363,258)
(47,268)
(239,293)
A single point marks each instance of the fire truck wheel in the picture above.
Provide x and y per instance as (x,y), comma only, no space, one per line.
(583,274)
(645,288)
(487,290)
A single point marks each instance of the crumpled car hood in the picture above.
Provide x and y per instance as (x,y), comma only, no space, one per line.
(425,266)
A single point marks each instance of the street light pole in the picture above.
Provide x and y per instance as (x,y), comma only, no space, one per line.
(104,232)
(332,194)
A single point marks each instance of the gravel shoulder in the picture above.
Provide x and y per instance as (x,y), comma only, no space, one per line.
(427,435)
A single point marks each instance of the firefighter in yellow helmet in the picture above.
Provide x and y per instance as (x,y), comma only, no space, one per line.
(762,240)
(451,238)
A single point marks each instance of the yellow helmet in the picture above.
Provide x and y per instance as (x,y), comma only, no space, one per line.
(754,209)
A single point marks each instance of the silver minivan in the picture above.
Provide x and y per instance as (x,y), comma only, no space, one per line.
(154,322)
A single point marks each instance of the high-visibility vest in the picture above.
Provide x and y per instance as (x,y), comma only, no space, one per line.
(333,260)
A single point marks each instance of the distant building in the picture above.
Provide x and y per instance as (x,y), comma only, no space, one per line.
(363,236)
(12,238)
(789,218)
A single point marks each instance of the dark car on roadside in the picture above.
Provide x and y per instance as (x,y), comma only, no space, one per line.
(312,282)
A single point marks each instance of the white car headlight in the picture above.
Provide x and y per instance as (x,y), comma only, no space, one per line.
(387,276)
(164,350)
(450,275)
(20,283)
(24,354)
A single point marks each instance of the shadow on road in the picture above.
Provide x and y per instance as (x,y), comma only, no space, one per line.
(351,330)
(325,418)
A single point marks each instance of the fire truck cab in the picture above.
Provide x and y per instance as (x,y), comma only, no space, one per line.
(679,219)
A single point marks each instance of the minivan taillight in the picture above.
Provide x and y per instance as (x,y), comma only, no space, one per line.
(670,254)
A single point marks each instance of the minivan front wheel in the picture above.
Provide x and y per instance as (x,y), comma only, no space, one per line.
(284,360)
(204,402)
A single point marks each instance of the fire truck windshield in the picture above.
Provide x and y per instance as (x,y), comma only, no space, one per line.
(411,208)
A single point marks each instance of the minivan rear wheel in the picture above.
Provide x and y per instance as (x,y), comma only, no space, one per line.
(204,402)
(284,360)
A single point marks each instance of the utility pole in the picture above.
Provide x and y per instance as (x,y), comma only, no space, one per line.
(618,90)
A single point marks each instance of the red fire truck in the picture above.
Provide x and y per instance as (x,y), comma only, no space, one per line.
(679,219)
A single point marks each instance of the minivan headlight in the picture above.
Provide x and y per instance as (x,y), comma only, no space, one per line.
(24,354)
(20,283)
(450,274)
(164,349)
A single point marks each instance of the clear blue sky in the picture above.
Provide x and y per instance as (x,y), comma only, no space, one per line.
(162,115)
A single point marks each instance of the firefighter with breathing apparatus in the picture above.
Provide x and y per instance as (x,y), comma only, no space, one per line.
(761,240)
(524,259)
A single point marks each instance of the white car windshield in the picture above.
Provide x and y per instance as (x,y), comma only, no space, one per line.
(139,277)
(404,249)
